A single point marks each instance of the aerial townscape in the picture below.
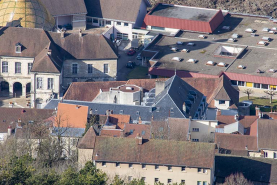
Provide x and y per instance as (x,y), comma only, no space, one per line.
(137,92)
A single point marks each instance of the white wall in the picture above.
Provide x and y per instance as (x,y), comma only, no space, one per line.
(221,106)
(206,129)
(63,20)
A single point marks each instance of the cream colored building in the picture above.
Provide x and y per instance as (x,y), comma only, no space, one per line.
(202,130)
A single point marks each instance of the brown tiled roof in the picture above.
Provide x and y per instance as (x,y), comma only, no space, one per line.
(267,130)
(73,116)
(246,121)
(87,91)
(236,142)
(65,7)
(10,116)
(125,10)
(88,141)
(162,152)
(48,63)
(111,133)
(143,130)
(119,119)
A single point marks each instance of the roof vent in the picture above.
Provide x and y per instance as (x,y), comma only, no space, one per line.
(177,59)
(210,63)
(241,67)
(272,70)
(221,64)
(191,60)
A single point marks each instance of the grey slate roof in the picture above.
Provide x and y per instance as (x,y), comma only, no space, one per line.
(65,7)
(68,132)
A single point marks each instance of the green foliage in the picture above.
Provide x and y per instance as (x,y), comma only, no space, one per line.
(70,177)
(117,181)
(91,175)
(137,182)
(46,178)
(93,119)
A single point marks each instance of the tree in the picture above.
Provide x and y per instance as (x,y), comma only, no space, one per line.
(237,179)
(271,93)
(44,178)
(91,175)
(248,92)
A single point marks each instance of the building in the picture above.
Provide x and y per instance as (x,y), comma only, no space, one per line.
(26,14)
(67,14)
(153,160)
(42,64)
(121,16)
(168,17)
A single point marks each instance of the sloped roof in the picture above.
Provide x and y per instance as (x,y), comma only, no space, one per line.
(111,133)
(162,152)
(267,129)
(65,7)
(119,120)
(246,121)
(88,141)
(73,116)
(143,130)
(125,10)
(87,91)
(48,63)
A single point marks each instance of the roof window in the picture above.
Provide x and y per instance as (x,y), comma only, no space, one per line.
(18,48)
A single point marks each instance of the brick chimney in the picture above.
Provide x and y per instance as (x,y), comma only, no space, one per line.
(139,139)
(62,33)
(139,120)
(258,113)
(9,130)
(218,112)
(159,87)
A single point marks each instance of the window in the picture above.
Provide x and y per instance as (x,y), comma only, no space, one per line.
(199,170)
(39,82)
(74,68)
(143,179)
(137,113)
(30,65)
(103,163)
(117,164)
(18,48)
(240,83)
(171,111)
(198,182)
(17,67)
(195,140)
(264,86)
(183,182)
(130,165)
(157,28)
(95,20)
(131,132)
(158,109)
(74,141)
(274,155)
(257,85)
(130,178)
(108,22)
(156,167)
(5,67)
(195,129)
(205,170)
(169,181)
(183,169)
(156,179)
(221,102)
(50,84)
(121,112)
(143,133)
(205,183)
(90,68)
(143,166)
(118,23)
(234,82)
(106,68)
(265,154)
(126,24)
(161,129)
(169,168)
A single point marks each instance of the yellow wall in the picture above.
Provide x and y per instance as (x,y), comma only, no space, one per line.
(249,84)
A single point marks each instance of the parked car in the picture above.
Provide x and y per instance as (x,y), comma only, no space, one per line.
(131,52)
(190,44)
(130,64)
(139,57)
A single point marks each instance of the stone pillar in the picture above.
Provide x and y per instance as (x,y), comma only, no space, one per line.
(24,91)
(10,90)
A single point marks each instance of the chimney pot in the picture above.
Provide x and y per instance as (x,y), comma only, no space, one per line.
(77,106)
(258,111)
(9,130)
(139,139)
(80,33)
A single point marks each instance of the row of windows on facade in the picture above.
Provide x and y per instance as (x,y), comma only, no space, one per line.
(50,83)
(157,167)
(274,155)
(109,22)
(90,68)
(17,69)
(253,85)
(157,180)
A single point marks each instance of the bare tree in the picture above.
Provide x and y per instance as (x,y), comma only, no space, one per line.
(271,93)
(237,179)
(208,138)
(248,92)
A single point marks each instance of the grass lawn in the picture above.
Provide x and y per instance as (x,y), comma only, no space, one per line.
(138,72)
(258,101)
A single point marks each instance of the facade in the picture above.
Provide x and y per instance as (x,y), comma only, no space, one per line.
(120,16)
(42,64)
(165,17)
(67,14)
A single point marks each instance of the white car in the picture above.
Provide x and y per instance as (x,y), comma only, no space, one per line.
(190,44)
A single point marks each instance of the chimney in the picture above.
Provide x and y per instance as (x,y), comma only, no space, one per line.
(107,112)
(90,111)
(62,33)
(246,148)
(189,137)
(258,113)
(77,107)
(80,33)
(49,52)
(218,112)
(139,139)
(159,87)
(9,130)
(236,117)
(139,120)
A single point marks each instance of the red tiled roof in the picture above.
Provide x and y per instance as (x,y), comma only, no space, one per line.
(143,130)
(88,141)
(119,119)
(111,133)
(246,121)
(251,78)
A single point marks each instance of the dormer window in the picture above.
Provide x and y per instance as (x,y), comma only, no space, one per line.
(18,48)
